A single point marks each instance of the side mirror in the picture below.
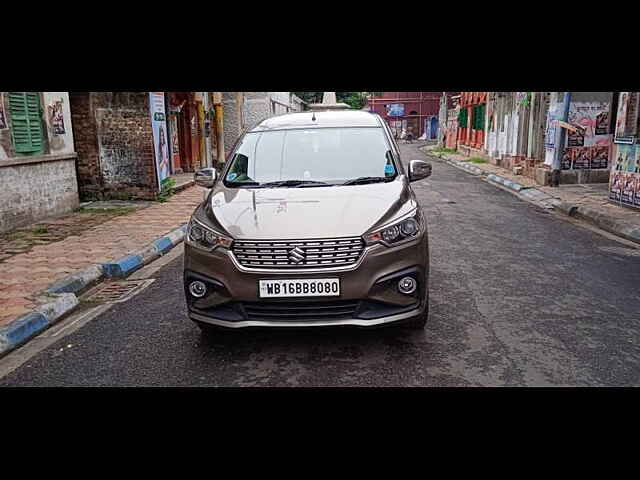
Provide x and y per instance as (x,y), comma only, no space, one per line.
(418,170)
(205,177)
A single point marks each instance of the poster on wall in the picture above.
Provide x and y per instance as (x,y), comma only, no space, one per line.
(631,122)
(600,156)
(628,189)
(566,161)
(175,144)
(593,118)
(624,184)
(622,114)
(56,117)
(602,123)
(615,186)
(582,159)
(3,118)
(575,139)
(623,156)
(159,128)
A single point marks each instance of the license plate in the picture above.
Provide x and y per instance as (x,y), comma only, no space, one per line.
(313,287)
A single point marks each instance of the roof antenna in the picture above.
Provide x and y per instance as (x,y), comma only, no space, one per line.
(313,117)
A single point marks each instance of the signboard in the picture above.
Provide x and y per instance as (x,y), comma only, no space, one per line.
(159,128)
(395,109)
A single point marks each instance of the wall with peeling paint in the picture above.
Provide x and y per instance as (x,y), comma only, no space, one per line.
(114,142)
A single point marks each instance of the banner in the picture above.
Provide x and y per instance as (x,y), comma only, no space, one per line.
(159,128)
(395,110)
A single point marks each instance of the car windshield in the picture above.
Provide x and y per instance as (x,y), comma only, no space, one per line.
(311,157)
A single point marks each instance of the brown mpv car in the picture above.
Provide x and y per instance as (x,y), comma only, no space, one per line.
(311,223)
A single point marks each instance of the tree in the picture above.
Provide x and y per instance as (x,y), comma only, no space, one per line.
(310,97)
(355,100)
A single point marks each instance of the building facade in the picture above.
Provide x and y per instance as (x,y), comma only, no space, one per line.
(37,158)
(246,109)
(415,112)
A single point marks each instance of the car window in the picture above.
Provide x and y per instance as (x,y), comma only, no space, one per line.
(332,155)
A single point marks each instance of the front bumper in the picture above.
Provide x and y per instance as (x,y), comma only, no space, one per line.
(369,295)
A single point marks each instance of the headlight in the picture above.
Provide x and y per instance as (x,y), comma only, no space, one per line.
(206,238)
(397,232)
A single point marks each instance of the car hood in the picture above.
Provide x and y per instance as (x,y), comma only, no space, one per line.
(304,213)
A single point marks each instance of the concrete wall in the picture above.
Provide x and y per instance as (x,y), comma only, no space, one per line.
(36,186)
(30,192)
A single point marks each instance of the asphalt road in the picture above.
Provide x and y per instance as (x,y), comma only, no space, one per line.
(519,296)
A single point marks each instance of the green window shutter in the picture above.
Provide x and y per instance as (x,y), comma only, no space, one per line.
(462,118)
(26,121)
(478,117)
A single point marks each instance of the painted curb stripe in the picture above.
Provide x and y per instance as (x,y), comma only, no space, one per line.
(21,329)
(123,266)
(163,244)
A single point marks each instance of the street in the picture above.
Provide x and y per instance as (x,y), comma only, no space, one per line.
(518,297)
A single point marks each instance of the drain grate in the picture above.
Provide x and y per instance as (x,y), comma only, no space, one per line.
(115,292)
(629,252)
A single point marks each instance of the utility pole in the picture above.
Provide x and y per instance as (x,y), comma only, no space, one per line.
(219,128)
(559,141)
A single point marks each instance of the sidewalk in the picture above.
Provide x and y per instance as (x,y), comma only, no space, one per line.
(23,276)
(585,201)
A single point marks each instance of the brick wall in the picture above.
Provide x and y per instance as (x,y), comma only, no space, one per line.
(33,191)
(114,142)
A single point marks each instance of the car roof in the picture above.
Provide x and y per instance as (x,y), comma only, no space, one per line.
(323,119)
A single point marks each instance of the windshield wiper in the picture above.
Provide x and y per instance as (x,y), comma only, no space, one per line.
(294,183)
(361,180)
(243,184)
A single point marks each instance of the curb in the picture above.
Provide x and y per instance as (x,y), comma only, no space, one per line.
(505,182)
(624,230)
(61,298)
(130,263)
(51,307)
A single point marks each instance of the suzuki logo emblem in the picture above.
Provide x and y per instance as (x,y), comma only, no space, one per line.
(296,255)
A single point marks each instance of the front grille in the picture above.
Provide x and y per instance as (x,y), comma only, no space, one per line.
(296,311)
(298,254)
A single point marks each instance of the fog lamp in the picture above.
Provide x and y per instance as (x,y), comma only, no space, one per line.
(407,285)
(197,289)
